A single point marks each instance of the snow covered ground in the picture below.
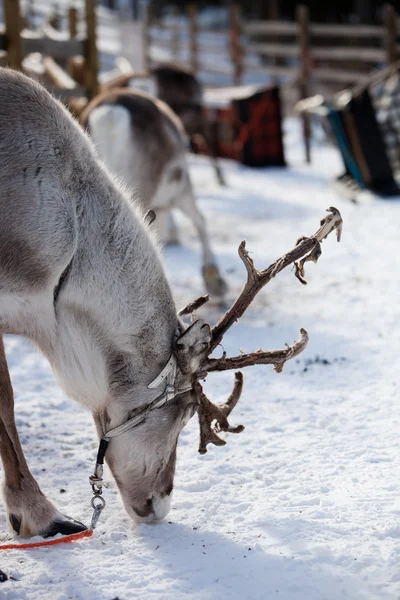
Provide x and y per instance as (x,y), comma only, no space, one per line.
(304,504)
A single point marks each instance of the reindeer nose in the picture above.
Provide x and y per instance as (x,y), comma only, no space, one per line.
(161,506)
(155,509)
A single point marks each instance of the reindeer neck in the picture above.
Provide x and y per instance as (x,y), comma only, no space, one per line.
(115,314)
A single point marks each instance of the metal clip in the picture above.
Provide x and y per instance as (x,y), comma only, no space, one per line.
(97,484)
(97,503)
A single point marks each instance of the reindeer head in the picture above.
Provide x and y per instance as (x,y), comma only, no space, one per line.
(142,454)
(145,470)
(143,459)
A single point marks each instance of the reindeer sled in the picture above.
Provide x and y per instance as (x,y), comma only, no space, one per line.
(246,122)
(365,123)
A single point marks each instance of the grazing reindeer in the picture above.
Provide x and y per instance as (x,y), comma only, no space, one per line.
(81,277)
(140,138)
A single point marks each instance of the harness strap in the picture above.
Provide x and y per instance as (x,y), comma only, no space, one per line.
(168,372)
(167,375)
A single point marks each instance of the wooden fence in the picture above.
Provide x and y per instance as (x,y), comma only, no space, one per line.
(324,53)
(183,39)
(298,51)
(56,47)
(303,57)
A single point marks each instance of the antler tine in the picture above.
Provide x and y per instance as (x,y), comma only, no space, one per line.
(192,306)
(306,249)
(213,418)
(277,358)
(234,396)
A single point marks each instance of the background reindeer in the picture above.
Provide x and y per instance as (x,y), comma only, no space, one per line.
(178,87)
(81,277)
(141,139)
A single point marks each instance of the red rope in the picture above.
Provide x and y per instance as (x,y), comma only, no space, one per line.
(66,539)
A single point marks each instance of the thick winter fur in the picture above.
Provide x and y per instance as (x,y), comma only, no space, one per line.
(142,140)
(110,330)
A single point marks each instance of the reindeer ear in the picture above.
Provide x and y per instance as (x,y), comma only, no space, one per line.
(193,345)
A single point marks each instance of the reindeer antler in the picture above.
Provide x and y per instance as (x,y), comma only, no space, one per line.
(256,280)
(192,306)
(277,358)
(213,418)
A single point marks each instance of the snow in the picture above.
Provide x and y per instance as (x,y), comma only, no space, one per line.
(304,504)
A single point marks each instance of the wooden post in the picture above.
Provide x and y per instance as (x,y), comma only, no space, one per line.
(192,33)
(13,23)
(30,15)
(91,61)
(235,47)
(73,32)
(390,35)
(175,36)
(55,18)
(303,35)
(73,21)
(146,36)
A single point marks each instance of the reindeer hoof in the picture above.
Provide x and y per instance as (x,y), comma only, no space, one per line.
(216,286)
(65,526)
(15,523)
(61,524)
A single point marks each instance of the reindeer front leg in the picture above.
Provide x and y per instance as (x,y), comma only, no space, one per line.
(215,284)
(29,512)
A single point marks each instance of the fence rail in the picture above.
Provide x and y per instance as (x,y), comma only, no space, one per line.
(359,31)
(317,51)
(269,27)
(348,54)
(46,43)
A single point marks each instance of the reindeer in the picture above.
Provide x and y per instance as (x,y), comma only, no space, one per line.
(81,276)
(140,138)
(178,87)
